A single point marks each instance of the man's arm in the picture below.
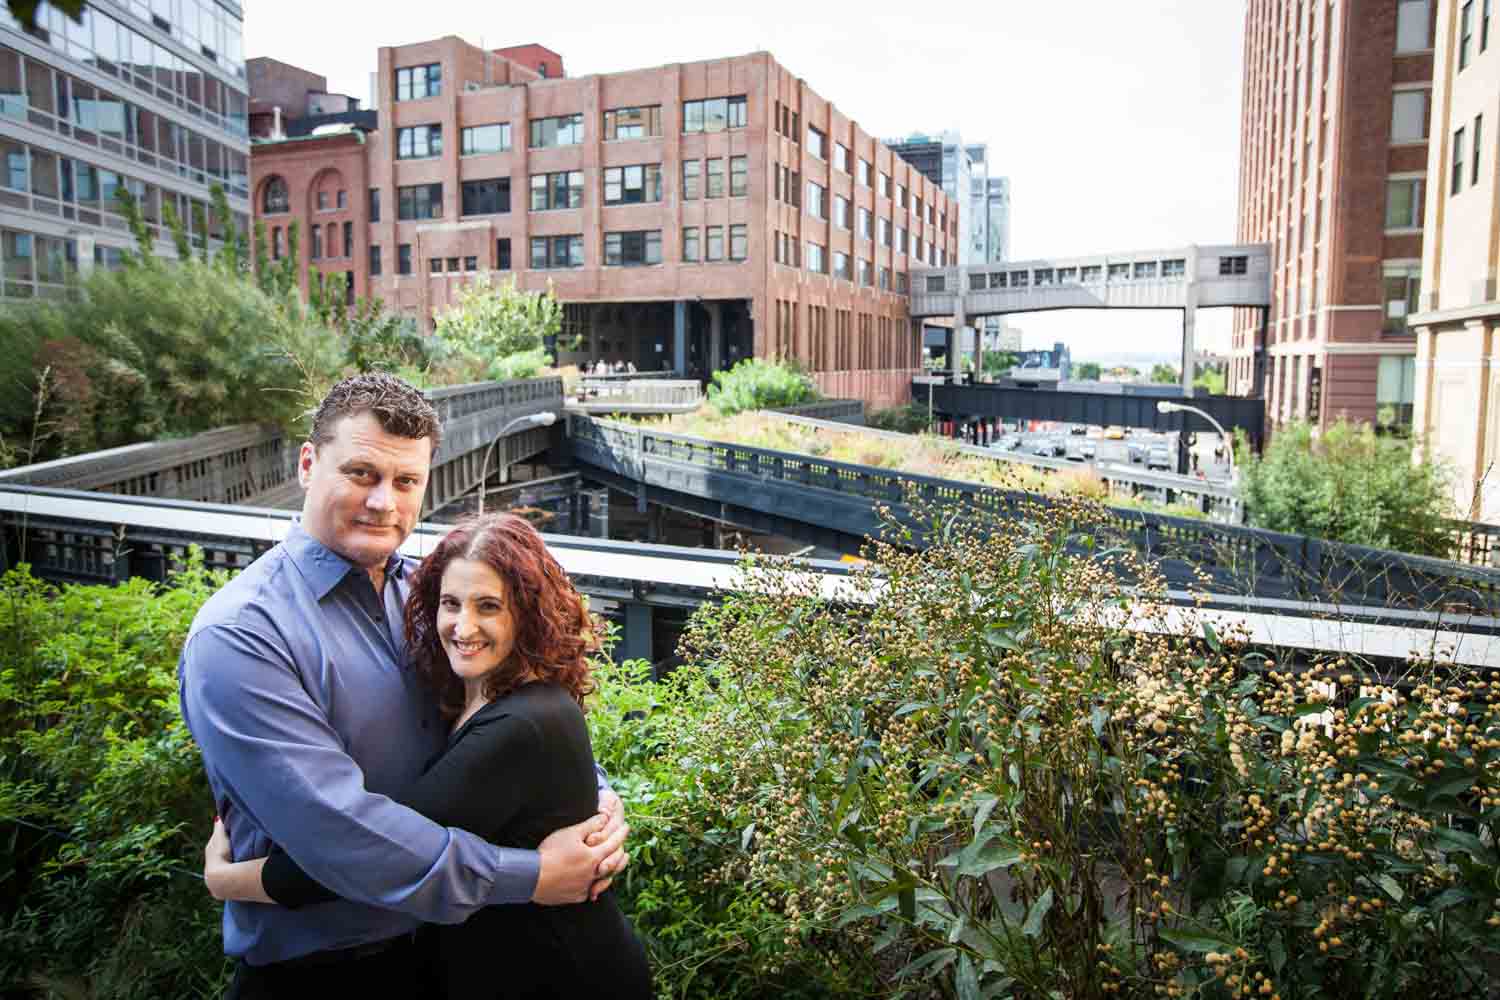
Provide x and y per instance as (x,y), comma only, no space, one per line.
(284,767)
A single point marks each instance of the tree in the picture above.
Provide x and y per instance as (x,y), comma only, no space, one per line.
(1351,485)
(1212,381)
(24,11)
(998,362)
(494,322)
(757,384)
(1164,374)
(1087,371)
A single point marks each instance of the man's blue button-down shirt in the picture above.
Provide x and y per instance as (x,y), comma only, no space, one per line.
(294,683)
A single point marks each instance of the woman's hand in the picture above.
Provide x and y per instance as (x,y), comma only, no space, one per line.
(226,878)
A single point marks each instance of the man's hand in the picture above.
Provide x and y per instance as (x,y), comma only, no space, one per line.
(569,863)
(610,806)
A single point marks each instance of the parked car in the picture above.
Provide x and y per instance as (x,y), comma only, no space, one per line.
(1090,450)
(1049,447)
(1135,451)
(1159,457)
(1010,442)
(1114,433)
(1072,452)
(1078,429)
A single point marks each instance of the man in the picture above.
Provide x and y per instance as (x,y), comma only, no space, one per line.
(293,680)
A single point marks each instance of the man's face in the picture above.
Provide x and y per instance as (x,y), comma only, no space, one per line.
(364,489)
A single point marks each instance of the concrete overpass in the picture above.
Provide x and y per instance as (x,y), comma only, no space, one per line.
(1188,278)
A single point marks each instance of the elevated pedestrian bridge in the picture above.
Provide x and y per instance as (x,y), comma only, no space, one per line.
(1188,278)
(79,537)
(256,464)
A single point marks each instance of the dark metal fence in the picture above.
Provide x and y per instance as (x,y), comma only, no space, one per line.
(1193,554)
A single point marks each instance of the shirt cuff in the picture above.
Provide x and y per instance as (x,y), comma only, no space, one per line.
(516,875)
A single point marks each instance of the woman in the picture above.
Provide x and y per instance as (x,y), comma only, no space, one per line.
(496,629)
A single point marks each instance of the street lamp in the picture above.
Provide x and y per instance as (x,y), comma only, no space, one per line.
(1167,406)
(530,420)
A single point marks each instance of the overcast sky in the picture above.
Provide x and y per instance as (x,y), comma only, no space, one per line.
(1118,123)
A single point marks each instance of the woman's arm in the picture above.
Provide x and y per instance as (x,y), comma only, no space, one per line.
(230,879)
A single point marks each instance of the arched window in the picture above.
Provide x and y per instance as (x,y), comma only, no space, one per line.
(275,198)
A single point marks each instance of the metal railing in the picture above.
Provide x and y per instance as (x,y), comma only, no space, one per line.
(638,395)
(843,411)
(1217,558)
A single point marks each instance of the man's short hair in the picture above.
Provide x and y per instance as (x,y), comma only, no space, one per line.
(400,408)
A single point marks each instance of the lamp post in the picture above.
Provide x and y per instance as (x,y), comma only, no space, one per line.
(530,420)
(1167,406)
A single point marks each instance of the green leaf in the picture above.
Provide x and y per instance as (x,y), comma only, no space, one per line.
(1194,942)
(1454,787)
(967,980)
(932,962)
(1452,897)
(907,899)
(1458,840)
(991,858)
(1211,637)
(1038,912)
(986,806)
(745,837)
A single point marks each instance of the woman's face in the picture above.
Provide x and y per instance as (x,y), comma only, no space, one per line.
(474,618)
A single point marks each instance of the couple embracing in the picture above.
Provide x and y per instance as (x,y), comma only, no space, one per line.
(408,803)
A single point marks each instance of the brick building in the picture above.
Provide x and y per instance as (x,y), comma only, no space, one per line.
(288,100)
(688,215)
(1458,325)
(1333,167)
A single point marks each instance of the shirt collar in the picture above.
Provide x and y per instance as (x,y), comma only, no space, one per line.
(324,568)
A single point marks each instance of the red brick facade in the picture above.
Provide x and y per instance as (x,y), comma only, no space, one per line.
(1318,161)
(853,335)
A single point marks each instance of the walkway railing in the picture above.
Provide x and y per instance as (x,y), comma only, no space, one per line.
(638,395)
(843,411)
(1218,558)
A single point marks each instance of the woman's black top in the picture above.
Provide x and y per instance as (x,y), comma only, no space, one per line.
(519,769)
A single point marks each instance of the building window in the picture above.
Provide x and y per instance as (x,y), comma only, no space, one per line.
(632,249)
(1457,182)
(739,176)
(885,185)
(885,233)
(692,171)
(632,123)
(502,254)
(862,218)
(739,241)
(1403,204)
(817,200)
(276,243)
(690,245)
(1046,275)
(477,139)
(341,200)
(1121,272)
(1402,285)
(884,279)
(1169,269)
(1465,34)
(348,239)
(864,172)
(1409,115)
(814,258)
(714,115)
(817,143)
(486,197)
(566,130)
(901,195)
(322,201)
(559,190)
(418,142)
(1477,146)
(841,266)
(315,250)
(714,238)
(1093,273)
(901,240)
(714,188)
(274,199)
(1395,391)
(471,263)
(841,157)
(549,252)
(1413,25)
(862,273)
(403,259)
(841,212)
(416,82)
(632,185)
(434,265)
(421,201)
(1143,269)
(375,260)
(1227,266)
(374,204)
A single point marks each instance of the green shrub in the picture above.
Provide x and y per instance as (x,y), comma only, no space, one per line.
(993,787)
(1350,484)
(757,384)
(913,418)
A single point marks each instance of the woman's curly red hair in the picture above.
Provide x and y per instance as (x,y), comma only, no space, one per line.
(554,633)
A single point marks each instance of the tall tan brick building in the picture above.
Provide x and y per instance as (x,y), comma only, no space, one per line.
(1458,327)
(687,215)
(1333,174)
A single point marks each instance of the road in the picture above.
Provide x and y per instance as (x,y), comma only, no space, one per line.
(1117,452)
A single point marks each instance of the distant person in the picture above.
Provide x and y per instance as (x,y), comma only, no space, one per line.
(630,367)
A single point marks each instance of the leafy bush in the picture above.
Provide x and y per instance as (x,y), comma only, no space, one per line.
(992,787)
(909,419)
(1351,485)
(492,320)
(758,384)
(523,364)
(103,802)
